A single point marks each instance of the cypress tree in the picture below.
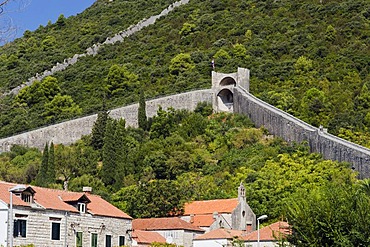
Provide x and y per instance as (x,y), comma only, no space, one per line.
(142,118)
(42,175)
(98,130)
(108,171)
(120,153)
(51,164)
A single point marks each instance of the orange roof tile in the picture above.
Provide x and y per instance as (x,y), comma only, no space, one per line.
(55,200)
(5,195)
(99,206)
(145,237)
(173,223)
(203,220)
(73,197)
(221,233)
(211,206)
(270,232)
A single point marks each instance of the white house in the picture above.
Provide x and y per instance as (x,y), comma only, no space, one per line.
(49,217)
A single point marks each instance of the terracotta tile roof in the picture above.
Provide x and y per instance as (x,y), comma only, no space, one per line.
(221,233)
(99,206)
(145,237)
(73,197)
(55,200)
(211,206)
(5,195)
(270,232)
(203,220)
(172,223)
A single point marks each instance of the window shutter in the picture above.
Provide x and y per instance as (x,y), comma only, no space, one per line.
(15,228)
(23,227)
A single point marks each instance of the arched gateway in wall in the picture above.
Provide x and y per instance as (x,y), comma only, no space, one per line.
(223,86)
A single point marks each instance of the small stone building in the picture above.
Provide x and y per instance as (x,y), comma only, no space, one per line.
(49,217)
(232,213)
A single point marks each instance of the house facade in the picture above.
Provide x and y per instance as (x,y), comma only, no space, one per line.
(232,213)
(49,217)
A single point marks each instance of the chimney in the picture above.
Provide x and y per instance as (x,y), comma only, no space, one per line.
(191,218)
(87,190)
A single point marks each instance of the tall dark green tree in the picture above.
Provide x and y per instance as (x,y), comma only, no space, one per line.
(42,175)
(109,169)
(142,118)
(51,164)
(98,130)
(120,152)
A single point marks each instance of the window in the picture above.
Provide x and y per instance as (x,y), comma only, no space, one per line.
(20,228)
(81,207)
(94,240)
(55,231)
(79,239)
(121,241)
(27,197)
(108,241)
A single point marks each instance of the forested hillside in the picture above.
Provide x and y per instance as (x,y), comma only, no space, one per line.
(180,156)
(310,58)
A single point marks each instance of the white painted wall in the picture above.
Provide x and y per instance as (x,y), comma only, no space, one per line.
(210,243)
(262,244)
(3,223)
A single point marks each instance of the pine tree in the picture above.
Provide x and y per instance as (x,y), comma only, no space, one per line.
(98,130)
(142,118)
(42,175)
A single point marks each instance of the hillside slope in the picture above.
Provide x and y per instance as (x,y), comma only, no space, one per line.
(309,58)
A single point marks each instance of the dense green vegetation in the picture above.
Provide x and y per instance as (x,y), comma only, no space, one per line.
(309,58)
(185,156)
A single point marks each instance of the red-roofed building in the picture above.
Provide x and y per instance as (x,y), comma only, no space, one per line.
(174,230)
(269,236)
(49,217)
(146,238)
(222,213)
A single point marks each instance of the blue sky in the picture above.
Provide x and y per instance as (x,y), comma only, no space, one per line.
(30,14)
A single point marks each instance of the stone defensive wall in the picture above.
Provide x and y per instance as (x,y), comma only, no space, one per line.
(291,129)
(71,131)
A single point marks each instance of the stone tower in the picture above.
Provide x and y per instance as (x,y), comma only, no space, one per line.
(223,88)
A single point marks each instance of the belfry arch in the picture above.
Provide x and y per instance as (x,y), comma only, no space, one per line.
(228,81)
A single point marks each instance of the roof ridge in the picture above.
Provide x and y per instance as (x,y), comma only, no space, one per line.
(234,198)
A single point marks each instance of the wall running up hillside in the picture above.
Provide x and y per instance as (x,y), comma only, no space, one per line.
(278,122)
(291,129)
(94,50)
(71,131)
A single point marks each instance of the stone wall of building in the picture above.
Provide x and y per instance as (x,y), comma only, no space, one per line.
(70,131)
(284,125)
(39,224)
